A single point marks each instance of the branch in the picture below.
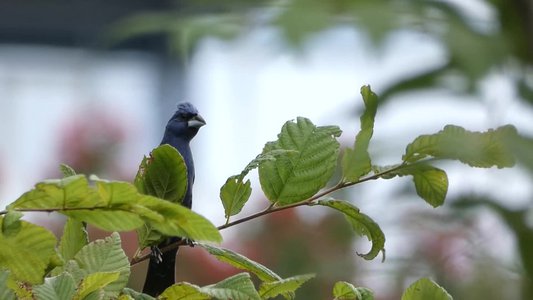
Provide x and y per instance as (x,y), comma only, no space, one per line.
(55,209)
(175,245)
(272,208)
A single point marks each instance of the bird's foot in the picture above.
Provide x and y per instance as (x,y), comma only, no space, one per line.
(157,254)
(189,242)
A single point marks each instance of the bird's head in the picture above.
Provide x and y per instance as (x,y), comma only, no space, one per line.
(186,122)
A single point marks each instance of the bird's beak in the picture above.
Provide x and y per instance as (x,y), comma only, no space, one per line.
(196,122)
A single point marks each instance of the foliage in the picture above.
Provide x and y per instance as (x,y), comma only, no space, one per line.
(473,46)
(293,171)
(425,288)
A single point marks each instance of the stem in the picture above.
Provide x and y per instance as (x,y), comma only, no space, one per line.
(56,209)
(135,260)
(309,201)
(136,254)
(273,208)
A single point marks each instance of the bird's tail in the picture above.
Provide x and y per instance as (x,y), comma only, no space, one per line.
(161,271)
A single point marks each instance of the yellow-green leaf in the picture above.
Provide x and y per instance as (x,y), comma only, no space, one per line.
(236,287)
(286,286)
(27,253)
(180,221)
(73,239)
(184,291)
(93,282)
(70,192)
(346,291)
(424,289)
(343,290)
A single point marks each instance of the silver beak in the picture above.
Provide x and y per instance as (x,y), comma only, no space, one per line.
(196,122)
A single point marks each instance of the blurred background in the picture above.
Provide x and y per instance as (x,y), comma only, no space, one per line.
(93,83)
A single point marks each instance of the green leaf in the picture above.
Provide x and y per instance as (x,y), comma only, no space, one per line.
(73,239)
(72,268)
(5,292)
(163,174)
(356,162)
(232,288)
(94,282)
(66,170)
(234,194)
(343,290)
(175,220)
(477,149)
(241,262)
(22,290)
(270,155)
(28,252)
(115,212)
(294,177)
(362,224)
(346,291)
(237,287)
(11,224)
(184,291)
(60,287)
(106,206)
(96,295)
(285,286)
(424,289)
(135,295)
(104,256)
(366,293)
(116,206)
(108,217)
(431,184)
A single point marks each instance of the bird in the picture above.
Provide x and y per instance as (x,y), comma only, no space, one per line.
(179,131)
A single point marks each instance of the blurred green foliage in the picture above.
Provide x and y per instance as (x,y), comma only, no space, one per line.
(499,42)
(474,46)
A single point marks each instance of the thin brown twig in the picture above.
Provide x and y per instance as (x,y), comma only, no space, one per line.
(272,209)
(55,209)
